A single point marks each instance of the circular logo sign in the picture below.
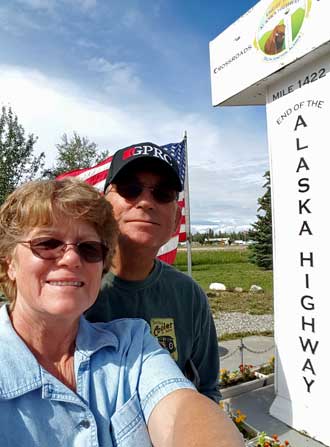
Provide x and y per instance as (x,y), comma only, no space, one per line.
(280,27)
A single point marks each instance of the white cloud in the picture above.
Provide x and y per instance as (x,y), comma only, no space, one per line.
(50,107)
(225,181)
(88,4)
(16,22)
(85,5)
(132,18)
(47,5)
(85,43)
(119,77)
(50,5)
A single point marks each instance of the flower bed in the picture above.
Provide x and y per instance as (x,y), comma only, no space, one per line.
(252,437)
(267,371)
(245,373)
(240,381)
(268,368)
(239,420)
(263,440)
(246,378)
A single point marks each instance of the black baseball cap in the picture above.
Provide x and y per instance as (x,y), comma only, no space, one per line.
(141,155)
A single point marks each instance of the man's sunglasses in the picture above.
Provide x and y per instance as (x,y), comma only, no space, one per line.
(50,248)
(161,193)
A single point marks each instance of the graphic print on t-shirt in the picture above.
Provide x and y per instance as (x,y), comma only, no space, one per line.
(164,330)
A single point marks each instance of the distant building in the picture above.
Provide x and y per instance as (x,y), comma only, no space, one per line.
(217,240)
(239,242)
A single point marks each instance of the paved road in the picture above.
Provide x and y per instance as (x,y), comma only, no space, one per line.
(215,247)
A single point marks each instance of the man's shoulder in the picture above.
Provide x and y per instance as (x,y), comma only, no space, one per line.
(180,282)
(162,272)
(163,278)
(170,271)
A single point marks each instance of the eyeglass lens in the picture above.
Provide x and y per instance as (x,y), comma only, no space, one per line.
(50,248)
(161,193)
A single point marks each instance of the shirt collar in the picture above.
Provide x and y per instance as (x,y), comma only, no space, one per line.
(136,285)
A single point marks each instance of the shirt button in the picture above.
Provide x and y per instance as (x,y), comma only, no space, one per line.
(85,423)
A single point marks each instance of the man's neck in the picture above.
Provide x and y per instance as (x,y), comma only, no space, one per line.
(134,264)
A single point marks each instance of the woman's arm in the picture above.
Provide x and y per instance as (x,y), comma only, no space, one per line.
(186,418)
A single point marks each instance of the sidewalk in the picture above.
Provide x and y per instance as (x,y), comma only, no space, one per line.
(258,350)
(255,404)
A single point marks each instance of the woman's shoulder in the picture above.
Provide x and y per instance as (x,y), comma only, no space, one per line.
(120,334)
(121,324)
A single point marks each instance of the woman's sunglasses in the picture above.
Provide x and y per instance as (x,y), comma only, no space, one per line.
(50,248)
(161,193)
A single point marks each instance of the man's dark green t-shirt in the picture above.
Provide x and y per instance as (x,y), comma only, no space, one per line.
(178,313)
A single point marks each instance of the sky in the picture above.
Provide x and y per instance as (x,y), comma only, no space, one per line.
(125,72)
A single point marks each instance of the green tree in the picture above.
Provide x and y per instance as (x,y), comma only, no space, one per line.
(17,162)
(262,248)
(75,153)
(199,237)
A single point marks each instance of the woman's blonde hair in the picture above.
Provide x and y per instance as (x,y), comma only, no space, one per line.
(39,204)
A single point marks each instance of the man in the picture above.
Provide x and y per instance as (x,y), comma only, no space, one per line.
(142,185)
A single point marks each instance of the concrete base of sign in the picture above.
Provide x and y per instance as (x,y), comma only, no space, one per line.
(281,409)
(284,410)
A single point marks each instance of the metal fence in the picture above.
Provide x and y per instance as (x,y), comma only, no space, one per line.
(243,351)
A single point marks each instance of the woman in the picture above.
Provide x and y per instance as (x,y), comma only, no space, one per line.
(67,382)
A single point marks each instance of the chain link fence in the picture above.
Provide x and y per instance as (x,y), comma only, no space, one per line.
(242,348)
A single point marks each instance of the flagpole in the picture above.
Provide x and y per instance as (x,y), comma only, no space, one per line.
(187,208)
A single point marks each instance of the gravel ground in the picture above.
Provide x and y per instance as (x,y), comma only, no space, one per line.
(228,323)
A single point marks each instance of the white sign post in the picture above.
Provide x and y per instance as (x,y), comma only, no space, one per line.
(291,74)
(298,130)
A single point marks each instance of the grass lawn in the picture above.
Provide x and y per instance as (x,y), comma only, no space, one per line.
(232,268)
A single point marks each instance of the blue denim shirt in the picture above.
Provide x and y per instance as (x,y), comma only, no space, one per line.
(121,374)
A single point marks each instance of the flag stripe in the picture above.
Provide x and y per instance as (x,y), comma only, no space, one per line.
(168,257)
(169,246)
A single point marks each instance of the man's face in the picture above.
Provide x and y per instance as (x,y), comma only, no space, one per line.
(143,220)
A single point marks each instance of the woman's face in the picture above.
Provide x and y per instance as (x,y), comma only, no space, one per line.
(62,287)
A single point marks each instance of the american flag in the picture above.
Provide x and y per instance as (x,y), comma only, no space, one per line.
(96,176)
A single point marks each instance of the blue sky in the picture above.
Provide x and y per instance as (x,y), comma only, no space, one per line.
(123,72)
